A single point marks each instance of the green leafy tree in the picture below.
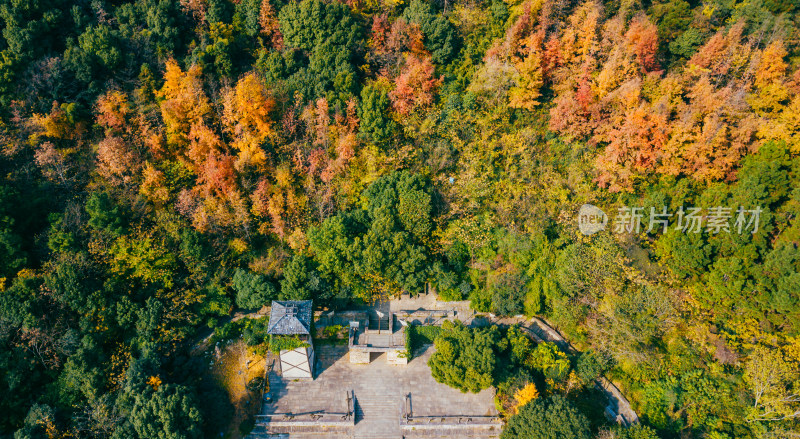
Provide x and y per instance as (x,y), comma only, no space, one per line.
(686,44)
(687,254)
(550,360)
(30,30)
(144,258)
(406,197)
(508,293)
(637,431)
(160,21)
(590,366)
(95,55)
(219,11)
(12,255)
(590,269)
(465,358)
(446,281)
(22,303)
(552,417)
(253,290)
(706,399)
(383,245)
(76,281)
(520,345)
(672,18)
(440,37)
(39,423)
(82,377)
(301,280)
(335,250)
(779,280)
(389,255)
(248,12)
(375,122)
(170,412)
(105,213)
(329,35)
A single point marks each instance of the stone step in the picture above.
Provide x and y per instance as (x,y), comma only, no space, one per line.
(266,432)
(377,436)
(377,419)
(361,414)
(262,432)
(376,407)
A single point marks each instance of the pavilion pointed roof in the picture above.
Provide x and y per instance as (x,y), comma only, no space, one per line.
(290,317)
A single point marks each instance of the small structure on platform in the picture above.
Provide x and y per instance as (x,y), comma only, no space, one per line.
(378,332)
(293,318)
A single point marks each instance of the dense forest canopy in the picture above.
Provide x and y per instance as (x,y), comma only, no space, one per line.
(166,162)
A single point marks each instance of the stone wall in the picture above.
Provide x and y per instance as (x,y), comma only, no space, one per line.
(359,357)
(397,357)
(341,318)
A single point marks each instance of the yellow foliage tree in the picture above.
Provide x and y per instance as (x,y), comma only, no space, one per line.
(525,395)
(771,378)
(248,107)
(184,102)
(154,382)
(772,66)
(247,118)
(154,185)
(526,93)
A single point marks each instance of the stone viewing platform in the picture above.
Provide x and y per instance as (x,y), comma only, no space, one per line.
(378,332)
(380,394)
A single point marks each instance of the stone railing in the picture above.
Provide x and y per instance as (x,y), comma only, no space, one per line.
(318,418)
(425,317)
(408,420)
(467,421)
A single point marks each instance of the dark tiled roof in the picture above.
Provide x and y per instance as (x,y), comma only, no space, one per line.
(290,317)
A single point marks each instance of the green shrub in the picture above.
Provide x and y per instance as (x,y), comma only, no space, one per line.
(418,335)
(279,343)
(551,417)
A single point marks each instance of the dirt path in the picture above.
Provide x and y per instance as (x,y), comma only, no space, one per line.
(536,327)
(541,331)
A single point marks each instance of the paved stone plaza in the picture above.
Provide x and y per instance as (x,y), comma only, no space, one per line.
(380,390)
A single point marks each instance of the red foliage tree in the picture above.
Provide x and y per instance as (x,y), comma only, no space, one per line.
(217,176)
(268,21)
(113,111)
(642,43)
(415,87)
(635,147)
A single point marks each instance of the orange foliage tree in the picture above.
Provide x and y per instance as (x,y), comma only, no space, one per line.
(416,86)
(184,102)
(247,118)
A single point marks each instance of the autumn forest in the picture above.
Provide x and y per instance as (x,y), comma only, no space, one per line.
(165,164)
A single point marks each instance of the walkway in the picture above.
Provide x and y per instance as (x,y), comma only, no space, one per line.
(536,327)
(541,331)
(380,390)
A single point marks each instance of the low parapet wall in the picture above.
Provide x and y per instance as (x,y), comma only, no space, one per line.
(318,419)
(342,318)
(361,355)
(451,423)
(425,317)
(362,348)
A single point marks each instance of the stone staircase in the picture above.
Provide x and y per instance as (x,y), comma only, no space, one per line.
(264,432)
(379,321)
(377,418)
